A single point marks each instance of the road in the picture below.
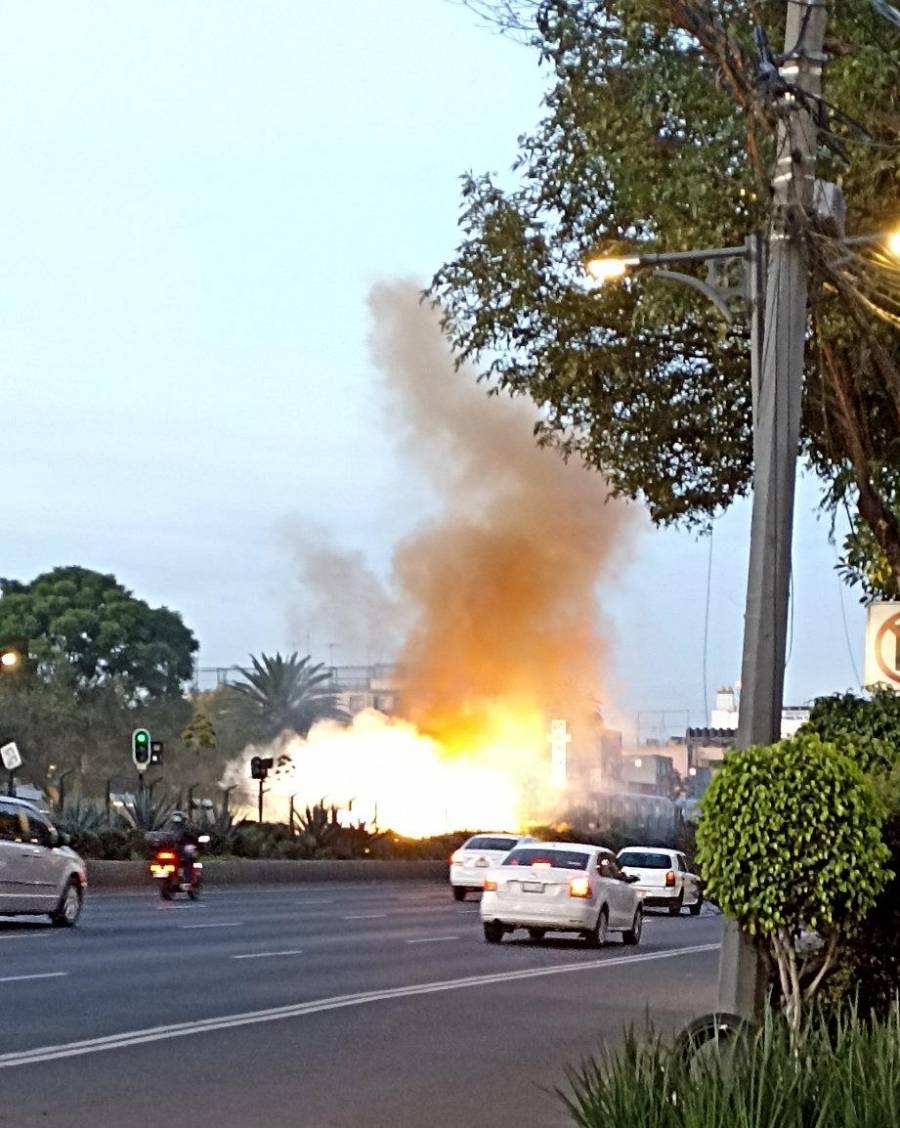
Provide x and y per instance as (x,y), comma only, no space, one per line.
(319,1006)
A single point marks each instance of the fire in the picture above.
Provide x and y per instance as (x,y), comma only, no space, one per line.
(385,770)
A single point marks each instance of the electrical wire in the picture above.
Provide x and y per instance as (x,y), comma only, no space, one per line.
(709,561)
(853,665)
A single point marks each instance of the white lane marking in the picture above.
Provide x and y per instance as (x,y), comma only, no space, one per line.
(215,924)
(268,955)
(317,1006)
(28,935)
(432,940)
(41,975)
(364,916)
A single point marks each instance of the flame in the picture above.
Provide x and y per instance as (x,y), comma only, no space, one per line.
(385,770)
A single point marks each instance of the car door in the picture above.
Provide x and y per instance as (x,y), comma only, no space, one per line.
(47,867)
(617,892)
(17,888)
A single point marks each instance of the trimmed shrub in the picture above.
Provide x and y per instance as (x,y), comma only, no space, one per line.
(790,845)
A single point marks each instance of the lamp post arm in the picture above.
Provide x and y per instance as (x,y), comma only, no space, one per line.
(698,284)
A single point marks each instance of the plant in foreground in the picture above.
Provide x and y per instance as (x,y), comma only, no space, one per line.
(843,1073)
(790,845)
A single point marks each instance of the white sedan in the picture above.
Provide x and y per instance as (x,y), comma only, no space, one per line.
(561,887)
(476,855)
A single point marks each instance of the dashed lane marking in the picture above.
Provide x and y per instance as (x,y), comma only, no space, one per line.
(40,975)
(432,940)
(268,955)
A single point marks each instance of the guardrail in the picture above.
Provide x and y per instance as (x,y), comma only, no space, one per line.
(121,875)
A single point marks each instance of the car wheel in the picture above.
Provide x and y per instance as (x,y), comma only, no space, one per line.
(67,912)
(459,892)
(537,933)
(694,909)
(677,905)
(493,932)
(596,936)
(633,934)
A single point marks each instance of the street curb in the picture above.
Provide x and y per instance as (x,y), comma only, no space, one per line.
(124,875)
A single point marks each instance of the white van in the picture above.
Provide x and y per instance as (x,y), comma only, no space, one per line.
(39,873)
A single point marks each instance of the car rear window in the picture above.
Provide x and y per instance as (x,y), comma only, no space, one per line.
(641,859)
(484,842)
(558,859)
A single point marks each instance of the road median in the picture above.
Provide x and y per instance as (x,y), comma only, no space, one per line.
(247,871)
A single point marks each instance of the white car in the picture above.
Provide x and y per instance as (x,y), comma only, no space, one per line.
(476,855)
(38,871)
(664,878)
(561,887)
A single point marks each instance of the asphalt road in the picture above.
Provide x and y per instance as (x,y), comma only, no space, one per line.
(321,1006)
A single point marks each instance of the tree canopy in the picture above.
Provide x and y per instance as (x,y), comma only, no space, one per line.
(86,631)
(658,135)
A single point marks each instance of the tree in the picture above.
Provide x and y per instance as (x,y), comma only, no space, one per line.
(789,843)
(200,732)
(287,693)
(86,631)
(658,134)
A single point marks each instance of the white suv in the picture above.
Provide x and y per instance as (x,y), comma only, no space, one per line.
(664,878)
(476,856)
(38,872)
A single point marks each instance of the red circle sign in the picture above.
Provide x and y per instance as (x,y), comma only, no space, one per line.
(890,627)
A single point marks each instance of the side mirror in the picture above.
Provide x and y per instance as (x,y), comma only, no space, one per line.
(631,878)
(63,838)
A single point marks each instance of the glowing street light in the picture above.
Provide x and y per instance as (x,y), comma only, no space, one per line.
(893,243)
(10,659)
(607,269)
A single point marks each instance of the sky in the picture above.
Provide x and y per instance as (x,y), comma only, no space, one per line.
(196,201)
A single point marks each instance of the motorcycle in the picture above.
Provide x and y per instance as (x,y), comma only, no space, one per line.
(178,873)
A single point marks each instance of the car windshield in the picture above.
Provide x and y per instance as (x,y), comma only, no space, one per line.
(485,842)
(641,859)
(556,859)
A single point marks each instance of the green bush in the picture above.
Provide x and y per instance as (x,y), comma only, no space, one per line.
(844,1073)
(789,844)
(870,728)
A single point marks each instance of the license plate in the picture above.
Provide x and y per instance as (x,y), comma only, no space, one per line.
(532,887)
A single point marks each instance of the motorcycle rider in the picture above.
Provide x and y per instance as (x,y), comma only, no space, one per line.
(184,840)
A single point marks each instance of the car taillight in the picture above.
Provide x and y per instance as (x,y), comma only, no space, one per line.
(165,856)
(670,878)
(489,885)
(579,887)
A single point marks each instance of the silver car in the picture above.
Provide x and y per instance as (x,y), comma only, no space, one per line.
(39,873)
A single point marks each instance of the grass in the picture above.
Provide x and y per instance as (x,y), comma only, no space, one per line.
(843,1072)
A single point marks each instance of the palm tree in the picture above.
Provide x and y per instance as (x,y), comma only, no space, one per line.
(287,693)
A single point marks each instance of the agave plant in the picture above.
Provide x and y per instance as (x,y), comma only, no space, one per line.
(287,693)
(319,826)
(144,812)
(81,816)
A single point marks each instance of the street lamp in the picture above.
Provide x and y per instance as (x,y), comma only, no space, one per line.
(10,659)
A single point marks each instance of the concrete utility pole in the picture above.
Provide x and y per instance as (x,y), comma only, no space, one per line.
(777,393)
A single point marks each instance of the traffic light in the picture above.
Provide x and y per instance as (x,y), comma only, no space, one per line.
(261,766)
(140,749)
(156,751)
